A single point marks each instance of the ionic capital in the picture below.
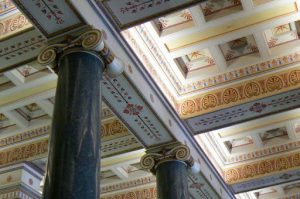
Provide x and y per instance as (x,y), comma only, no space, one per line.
(92,40)
(177,152)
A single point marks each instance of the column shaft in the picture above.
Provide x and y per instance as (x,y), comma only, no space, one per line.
(73,162)
(171,178)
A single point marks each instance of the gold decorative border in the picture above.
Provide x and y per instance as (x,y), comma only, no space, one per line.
(27,135)
(113,129)
(146,193)
(15,24)
(240,93)
(23,152)
(262,168)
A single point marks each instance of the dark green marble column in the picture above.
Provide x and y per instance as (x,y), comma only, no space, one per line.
(171,179)
(170,163)
(73,162)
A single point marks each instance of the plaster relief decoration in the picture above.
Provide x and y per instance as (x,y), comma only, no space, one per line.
(264,192)
(147,193)
(297,128)
(31,71)
(232,95)
(5,122)
(24,152)
(261,168)
(25,136)
(266,181)
(175,21)
(6,6)
(5,83)
(200,60)
(263,152)
(281,34)
(51,17)
(239,143)
(26,70)
(113,129)
(245,112)
(13,24)
(273,135)
(213,9)
(145,181)
(237,48)
(292,188)
(197,85)
(32,112)
(132,12)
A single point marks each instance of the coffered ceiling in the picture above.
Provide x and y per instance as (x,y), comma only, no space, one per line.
(230,70)
(220,76)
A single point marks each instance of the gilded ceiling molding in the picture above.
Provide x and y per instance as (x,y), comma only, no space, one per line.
(204,84)
(112,129)
(128,184)
(24,152)
(263,152)
(13,25)
(262,168)
(146,193)
(240,93)
(27,135)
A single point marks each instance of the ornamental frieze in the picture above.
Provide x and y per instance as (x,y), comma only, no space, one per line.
(113,129)
(27,135)
(240,93)
(13,24)
(24,152)
(148,193)
(261,168)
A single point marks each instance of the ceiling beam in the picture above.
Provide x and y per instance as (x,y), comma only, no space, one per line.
(120,172)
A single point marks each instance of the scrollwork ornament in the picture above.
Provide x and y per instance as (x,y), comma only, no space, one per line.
(92,40)
(148,162)
(47,56)
(182,153)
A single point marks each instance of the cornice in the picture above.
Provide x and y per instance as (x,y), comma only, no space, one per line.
(239,93)
(262,168)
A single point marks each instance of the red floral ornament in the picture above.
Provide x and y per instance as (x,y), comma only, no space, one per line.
(133,109)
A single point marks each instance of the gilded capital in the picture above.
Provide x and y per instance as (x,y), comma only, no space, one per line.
(177,152)
(92,40)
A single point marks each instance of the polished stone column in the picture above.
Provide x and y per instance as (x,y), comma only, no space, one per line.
(73,162)
(170,165)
